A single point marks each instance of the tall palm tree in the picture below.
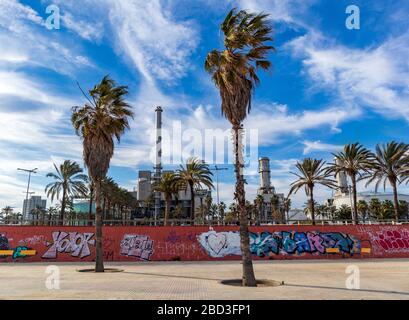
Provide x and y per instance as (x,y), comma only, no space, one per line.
(101,120)
(355,161)
(311,173)
(168,185)
(362,208)
(390,165)
(6,212)
(259,204)
(195,173)
(69,182)
(287,207)
(233,71)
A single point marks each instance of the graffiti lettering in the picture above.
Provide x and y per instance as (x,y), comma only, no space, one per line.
(228,243)
(77,244)
(392,240)
(139,246)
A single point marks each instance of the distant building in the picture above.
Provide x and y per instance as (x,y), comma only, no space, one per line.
(145,197)
(267,191)
(343,194)
(31,204)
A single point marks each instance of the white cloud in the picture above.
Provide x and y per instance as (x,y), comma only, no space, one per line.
(312,146)
(158,46)
(376,78)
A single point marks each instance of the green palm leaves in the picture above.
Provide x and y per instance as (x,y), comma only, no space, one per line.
(356,162)
(168,185)
(391,164)
(311,172)
(195,174)
(233,70)
(69,180)
(105,117)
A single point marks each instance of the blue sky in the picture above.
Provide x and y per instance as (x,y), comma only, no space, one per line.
(329,85)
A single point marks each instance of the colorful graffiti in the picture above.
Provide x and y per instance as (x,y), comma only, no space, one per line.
(392,240)
(221,244)
(189,243)
(75,243)
(138,246)
(14,253)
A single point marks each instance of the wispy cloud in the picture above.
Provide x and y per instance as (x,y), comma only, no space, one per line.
(313,146)
(375,78)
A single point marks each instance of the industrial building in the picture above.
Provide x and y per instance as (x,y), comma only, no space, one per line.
(152,203)
(343,194)
(146,197)
(268,192)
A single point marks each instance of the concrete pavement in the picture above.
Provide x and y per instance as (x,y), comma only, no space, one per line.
(313,279)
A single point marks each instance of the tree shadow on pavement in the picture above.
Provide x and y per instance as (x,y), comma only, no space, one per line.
(345,289)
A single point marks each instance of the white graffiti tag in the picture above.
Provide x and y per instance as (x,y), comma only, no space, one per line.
(73,242)
(139,246)
(220,244)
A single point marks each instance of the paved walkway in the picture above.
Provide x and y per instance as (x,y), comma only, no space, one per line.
(319,279)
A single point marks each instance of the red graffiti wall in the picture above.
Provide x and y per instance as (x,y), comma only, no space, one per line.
(35,244)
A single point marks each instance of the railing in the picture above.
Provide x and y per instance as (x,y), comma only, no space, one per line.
(189,222)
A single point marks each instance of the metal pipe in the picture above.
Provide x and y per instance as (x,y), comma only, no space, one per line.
(158,160)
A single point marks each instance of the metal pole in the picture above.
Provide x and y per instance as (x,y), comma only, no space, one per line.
(158,164)
(217,169)
(28,184)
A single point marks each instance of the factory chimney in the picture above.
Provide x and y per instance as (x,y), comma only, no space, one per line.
(342,182)
(158,160)
(265,178)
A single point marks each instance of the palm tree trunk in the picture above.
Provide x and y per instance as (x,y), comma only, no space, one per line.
(249,279)
(312,205)
(354,195)
(395,200)
(167,208)
(91,196)
(99,263)
(63,204)
(192,202)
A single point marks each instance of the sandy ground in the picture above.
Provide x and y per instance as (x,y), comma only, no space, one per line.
(379,279)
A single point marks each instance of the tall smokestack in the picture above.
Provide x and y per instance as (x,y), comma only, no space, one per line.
(158,162)
(342,181)
(264,171)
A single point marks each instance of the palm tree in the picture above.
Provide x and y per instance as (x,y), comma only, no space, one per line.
(233,71)
(374,208)
(7,212)
(362,208)
(390,165)
(343,213)
(311,173)
(354,161)
(287,207)
(98,122)
(52,212)
(259,204)
(194,174)
(168,186)
(70,182)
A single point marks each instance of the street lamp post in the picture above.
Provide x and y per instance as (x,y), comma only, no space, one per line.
(217,169)
(28,184)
